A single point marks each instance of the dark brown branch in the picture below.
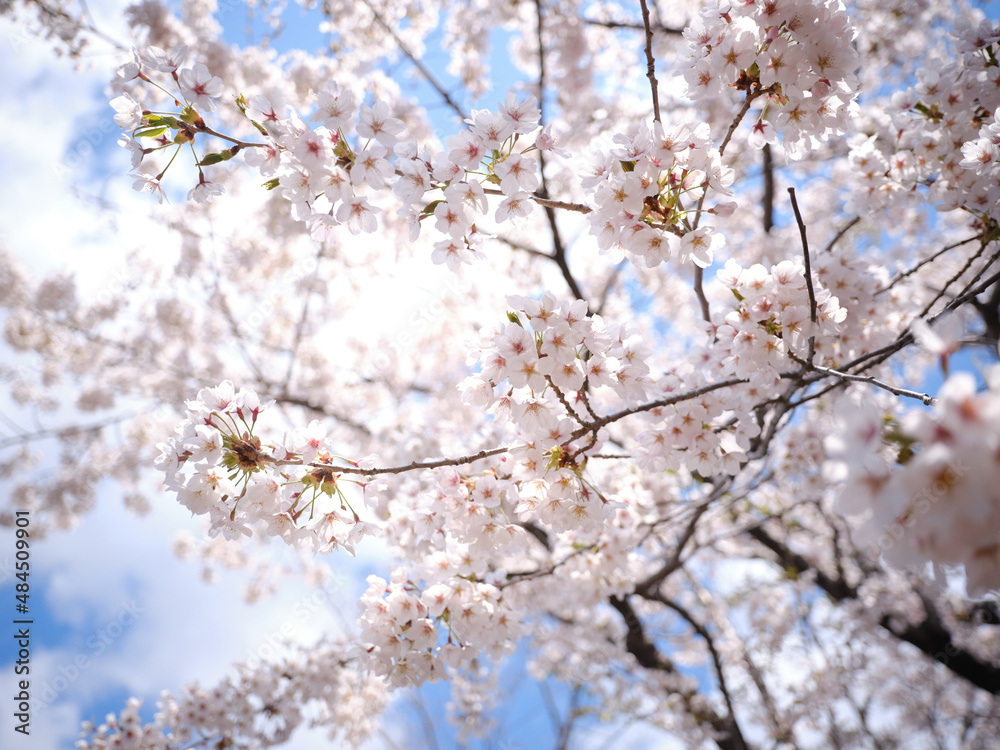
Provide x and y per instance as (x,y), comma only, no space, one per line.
(925,398)
(649,584)
(659,27)
(699,292)
(768,197)
(650,61)
(402,469)
(930,636)
(959,274)
(545,202)
(600,422)
(637,643)
(809,278)
(703,633)
(558,248)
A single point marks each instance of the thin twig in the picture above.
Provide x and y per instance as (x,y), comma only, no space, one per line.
(600,422)
(558,247)
(542,201)
(418,64)
(809,281)
(629,25)
(400,469)
(957,276)
(925,261)
(844,230)
(926,399)
(650,61)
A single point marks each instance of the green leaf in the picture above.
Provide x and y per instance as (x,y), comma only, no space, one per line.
(151,132)
(170,122)
(429,208)
(210,159)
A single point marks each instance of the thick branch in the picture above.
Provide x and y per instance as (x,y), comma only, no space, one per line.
(650,61)
(637,643)
(930,635)
(768,198)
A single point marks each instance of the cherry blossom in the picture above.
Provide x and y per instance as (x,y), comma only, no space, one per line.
(668,435)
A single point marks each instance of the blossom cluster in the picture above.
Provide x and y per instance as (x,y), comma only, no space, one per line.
(541,368)
(926,486)
(768,332)
(772,322)
(643,188)
(403,627)
(797,53)
(944,133)
(332,172)
(261,706)
(219,468)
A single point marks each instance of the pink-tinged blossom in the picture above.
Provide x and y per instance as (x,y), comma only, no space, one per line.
(700,246)
(468,193)
(129,115)
(413,181)
(514,207)
(359,215)
(314,149)
(371,167)
(336,107)
(200,87)
(980,155)
(205,191)
(130,70)
(547,142)
(266,157)
(322,226)
(147,184)
(261,111)
(523,115)
(491,127)
(166,61)
(134,147)
(451,219)
(376,122)
(761,133)
(517,174)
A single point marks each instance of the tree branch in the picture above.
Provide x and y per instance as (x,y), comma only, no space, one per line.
(650,61)
(809,278)
(637,643)
(929,636)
